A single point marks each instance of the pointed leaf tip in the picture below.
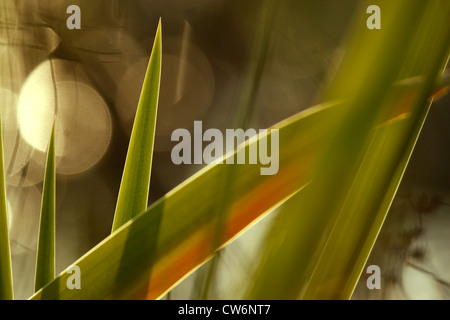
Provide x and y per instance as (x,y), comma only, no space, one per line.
(134,188)
(45,261)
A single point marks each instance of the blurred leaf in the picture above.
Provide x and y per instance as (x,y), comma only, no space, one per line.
(6,287)
(323,236)
(245,112)
(134,188)
(45,262)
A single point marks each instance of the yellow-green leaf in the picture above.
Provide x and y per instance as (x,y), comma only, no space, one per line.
(323,236)
(6,288)
(45,261)
(134,188)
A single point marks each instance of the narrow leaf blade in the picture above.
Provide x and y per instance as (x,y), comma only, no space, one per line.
(6,286)
(45,262)
(134,188)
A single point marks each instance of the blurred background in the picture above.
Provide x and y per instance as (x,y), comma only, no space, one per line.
(228,63)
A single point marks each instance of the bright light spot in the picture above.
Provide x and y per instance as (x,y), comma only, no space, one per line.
(83,124)
(36,109)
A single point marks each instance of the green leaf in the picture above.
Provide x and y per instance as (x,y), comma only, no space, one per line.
(45,261)
(134,188)
(6,287)
(323,236)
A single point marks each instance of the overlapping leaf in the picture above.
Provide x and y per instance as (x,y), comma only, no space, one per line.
(328,230)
